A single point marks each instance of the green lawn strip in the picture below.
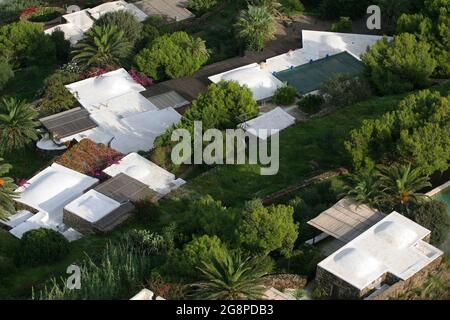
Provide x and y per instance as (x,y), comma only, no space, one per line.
(315,146)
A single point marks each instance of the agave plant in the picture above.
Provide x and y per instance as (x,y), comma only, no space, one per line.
(7,193)
(102,46)
(17,125)
(230,277)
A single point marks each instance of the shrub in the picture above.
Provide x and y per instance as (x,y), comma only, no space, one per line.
(42,246)
(433,215)
(201,5)
(223,106)
(343,25)
(401,65)
(88,157)
(44,14)
(311,103)
(125,21)
(344,89)
(6,73)
(264,230)
(10,9)
(56,97)
(25,44)
(285,96)
(140,78)
(145,242)
(62,46)
(291,7)
(7,267)
(172,56)
(333,9)
(116,274)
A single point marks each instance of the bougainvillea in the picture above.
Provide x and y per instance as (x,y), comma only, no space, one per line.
(89,158)
(141,78)
(96,72)
(28,12)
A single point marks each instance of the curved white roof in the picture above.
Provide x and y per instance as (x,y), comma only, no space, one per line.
(260,81)
(395,234)
(77,24)
(392,245)
(357,262)
(144,171)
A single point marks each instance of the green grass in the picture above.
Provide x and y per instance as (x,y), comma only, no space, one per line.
(305,148)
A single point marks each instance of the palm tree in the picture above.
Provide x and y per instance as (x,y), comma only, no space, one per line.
(7,193)
(230,277)
(364,188)
(102,46)
(400,185)
(254,26)
(17,125)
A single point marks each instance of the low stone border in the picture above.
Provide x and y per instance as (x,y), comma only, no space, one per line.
(439,189)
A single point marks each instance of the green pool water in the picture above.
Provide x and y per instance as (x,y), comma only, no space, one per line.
(445,196)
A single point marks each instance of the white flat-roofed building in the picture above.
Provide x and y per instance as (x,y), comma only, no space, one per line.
(261,78)
(115,6)
(393,251)
(268,123)
(92,206)
(47,193)
(145,171)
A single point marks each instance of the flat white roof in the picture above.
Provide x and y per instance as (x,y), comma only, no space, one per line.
(392,245)
(92,206)
(145,171)
(95,91)
(269,123)
(77,24)
(316,45)
(261,82)
(329,43)
(114,6)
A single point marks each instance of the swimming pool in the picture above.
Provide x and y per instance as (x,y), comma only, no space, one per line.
(442,193)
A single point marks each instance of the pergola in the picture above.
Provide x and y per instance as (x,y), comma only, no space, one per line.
(346,219)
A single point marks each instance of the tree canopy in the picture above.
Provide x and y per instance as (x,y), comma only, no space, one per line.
(417,132)
(401,65)
(172,56)
(266,229)
(433,215)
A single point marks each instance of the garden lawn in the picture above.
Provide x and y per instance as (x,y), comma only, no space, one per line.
(305,149)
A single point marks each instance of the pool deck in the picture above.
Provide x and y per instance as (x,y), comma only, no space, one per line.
(439,189)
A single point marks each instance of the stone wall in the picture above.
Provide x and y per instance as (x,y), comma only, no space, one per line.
(335,288)
(401,287)
(76,222)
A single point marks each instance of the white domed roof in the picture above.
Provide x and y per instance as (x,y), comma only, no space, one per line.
(136,172)
(395,234)
(356,262)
